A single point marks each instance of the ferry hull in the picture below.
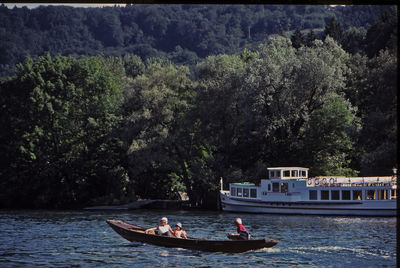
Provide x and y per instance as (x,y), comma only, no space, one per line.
(356,209)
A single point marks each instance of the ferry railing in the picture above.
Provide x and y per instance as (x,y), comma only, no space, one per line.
(352,184)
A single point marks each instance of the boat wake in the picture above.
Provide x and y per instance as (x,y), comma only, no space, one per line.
(269,250)
(362,252)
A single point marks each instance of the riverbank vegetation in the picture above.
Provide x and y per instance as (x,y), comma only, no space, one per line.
(79,129)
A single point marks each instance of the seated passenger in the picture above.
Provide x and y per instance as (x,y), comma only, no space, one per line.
(162,229)
(241,234)
(179,232)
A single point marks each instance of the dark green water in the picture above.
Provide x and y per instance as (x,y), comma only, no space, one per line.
(83,239)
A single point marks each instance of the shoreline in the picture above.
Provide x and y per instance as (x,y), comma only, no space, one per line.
(145,204)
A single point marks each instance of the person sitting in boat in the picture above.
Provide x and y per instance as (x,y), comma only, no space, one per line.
(162,229)
(241,234)
(179,232)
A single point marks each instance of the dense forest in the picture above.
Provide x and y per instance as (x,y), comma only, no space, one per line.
(106,105)
(181,33)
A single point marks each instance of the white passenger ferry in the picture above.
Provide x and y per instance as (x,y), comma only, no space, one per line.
(289,190)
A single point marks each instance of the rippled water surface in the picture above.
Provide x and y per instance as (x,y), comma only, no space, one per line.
(83,239)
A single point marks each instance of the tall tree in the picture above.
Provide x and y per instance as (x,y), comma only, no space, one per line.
(329,138)
(378,106)
(310,38)
(217,105)
(354,40)
(383,33)
(335,30)
(297,39)
(283,91)
(59,139)
(156,102)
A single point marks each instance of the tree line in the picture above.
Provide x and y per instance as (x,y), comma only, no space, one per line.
(181,33)
(89,130)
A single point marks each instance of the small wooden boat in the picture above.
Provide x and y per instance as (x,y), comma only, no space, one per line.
(136,233)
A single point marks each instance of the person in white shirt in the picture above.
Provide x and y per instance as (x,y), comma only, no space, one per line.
(162,229)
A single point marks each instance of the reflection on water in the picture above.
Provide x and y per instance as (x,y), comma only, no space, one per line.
(83,239)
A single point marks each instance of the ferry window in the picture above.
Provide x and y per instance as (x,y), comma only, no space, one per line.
(335,195)
(294,173)
(275,187)
(345,195)
(303,173)
(370,195)
(269,187)
(233,191)
(239,191)
(286,173)
(253,193)
(272,173)
(357,195)
(324,195)
(393,193)
(382,194)
(245,192)
(284,187)
(313,194)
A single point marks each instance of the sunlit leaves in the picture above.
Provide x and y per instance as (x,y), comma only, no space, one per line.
(155,103)
(328,137)
(268,114)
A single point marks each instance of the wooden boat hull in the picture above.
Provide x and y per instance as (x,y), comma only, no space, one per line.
(136,233)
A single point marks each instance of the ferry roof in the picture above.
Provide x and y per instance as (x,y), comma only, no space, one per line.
(243,183)
(280,168)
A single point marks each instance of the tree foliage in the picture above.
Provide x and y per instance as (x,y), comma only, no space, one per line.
(59,117)
(378,106)
(335,30)
(298,39)
(383,33)
(155,102)
(181,33)
(173,105)
(283,90)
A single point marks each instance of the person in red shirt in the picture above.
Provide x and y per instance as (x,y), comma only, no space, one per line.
(241,233)
(179,232)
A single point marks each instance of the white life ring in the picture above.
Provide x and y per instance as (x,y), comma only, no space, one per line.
(316,181)
(309,181)
(331,180)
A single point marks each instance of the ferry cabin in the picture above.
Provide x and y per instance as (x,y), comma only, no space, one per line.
(289,191)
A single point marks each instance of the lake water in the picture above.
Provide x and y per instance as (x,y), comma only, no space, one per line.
(83,239)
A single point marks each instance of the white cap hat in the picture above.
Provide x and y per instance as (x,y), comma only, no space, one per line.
(238,220)
(164,219)
(179,225)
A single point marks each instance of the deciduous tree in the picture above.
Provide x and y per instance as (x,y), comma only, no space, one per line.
(59,141)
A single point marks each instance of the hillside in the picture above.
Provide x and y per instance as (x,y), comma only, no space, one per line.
(181,33)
